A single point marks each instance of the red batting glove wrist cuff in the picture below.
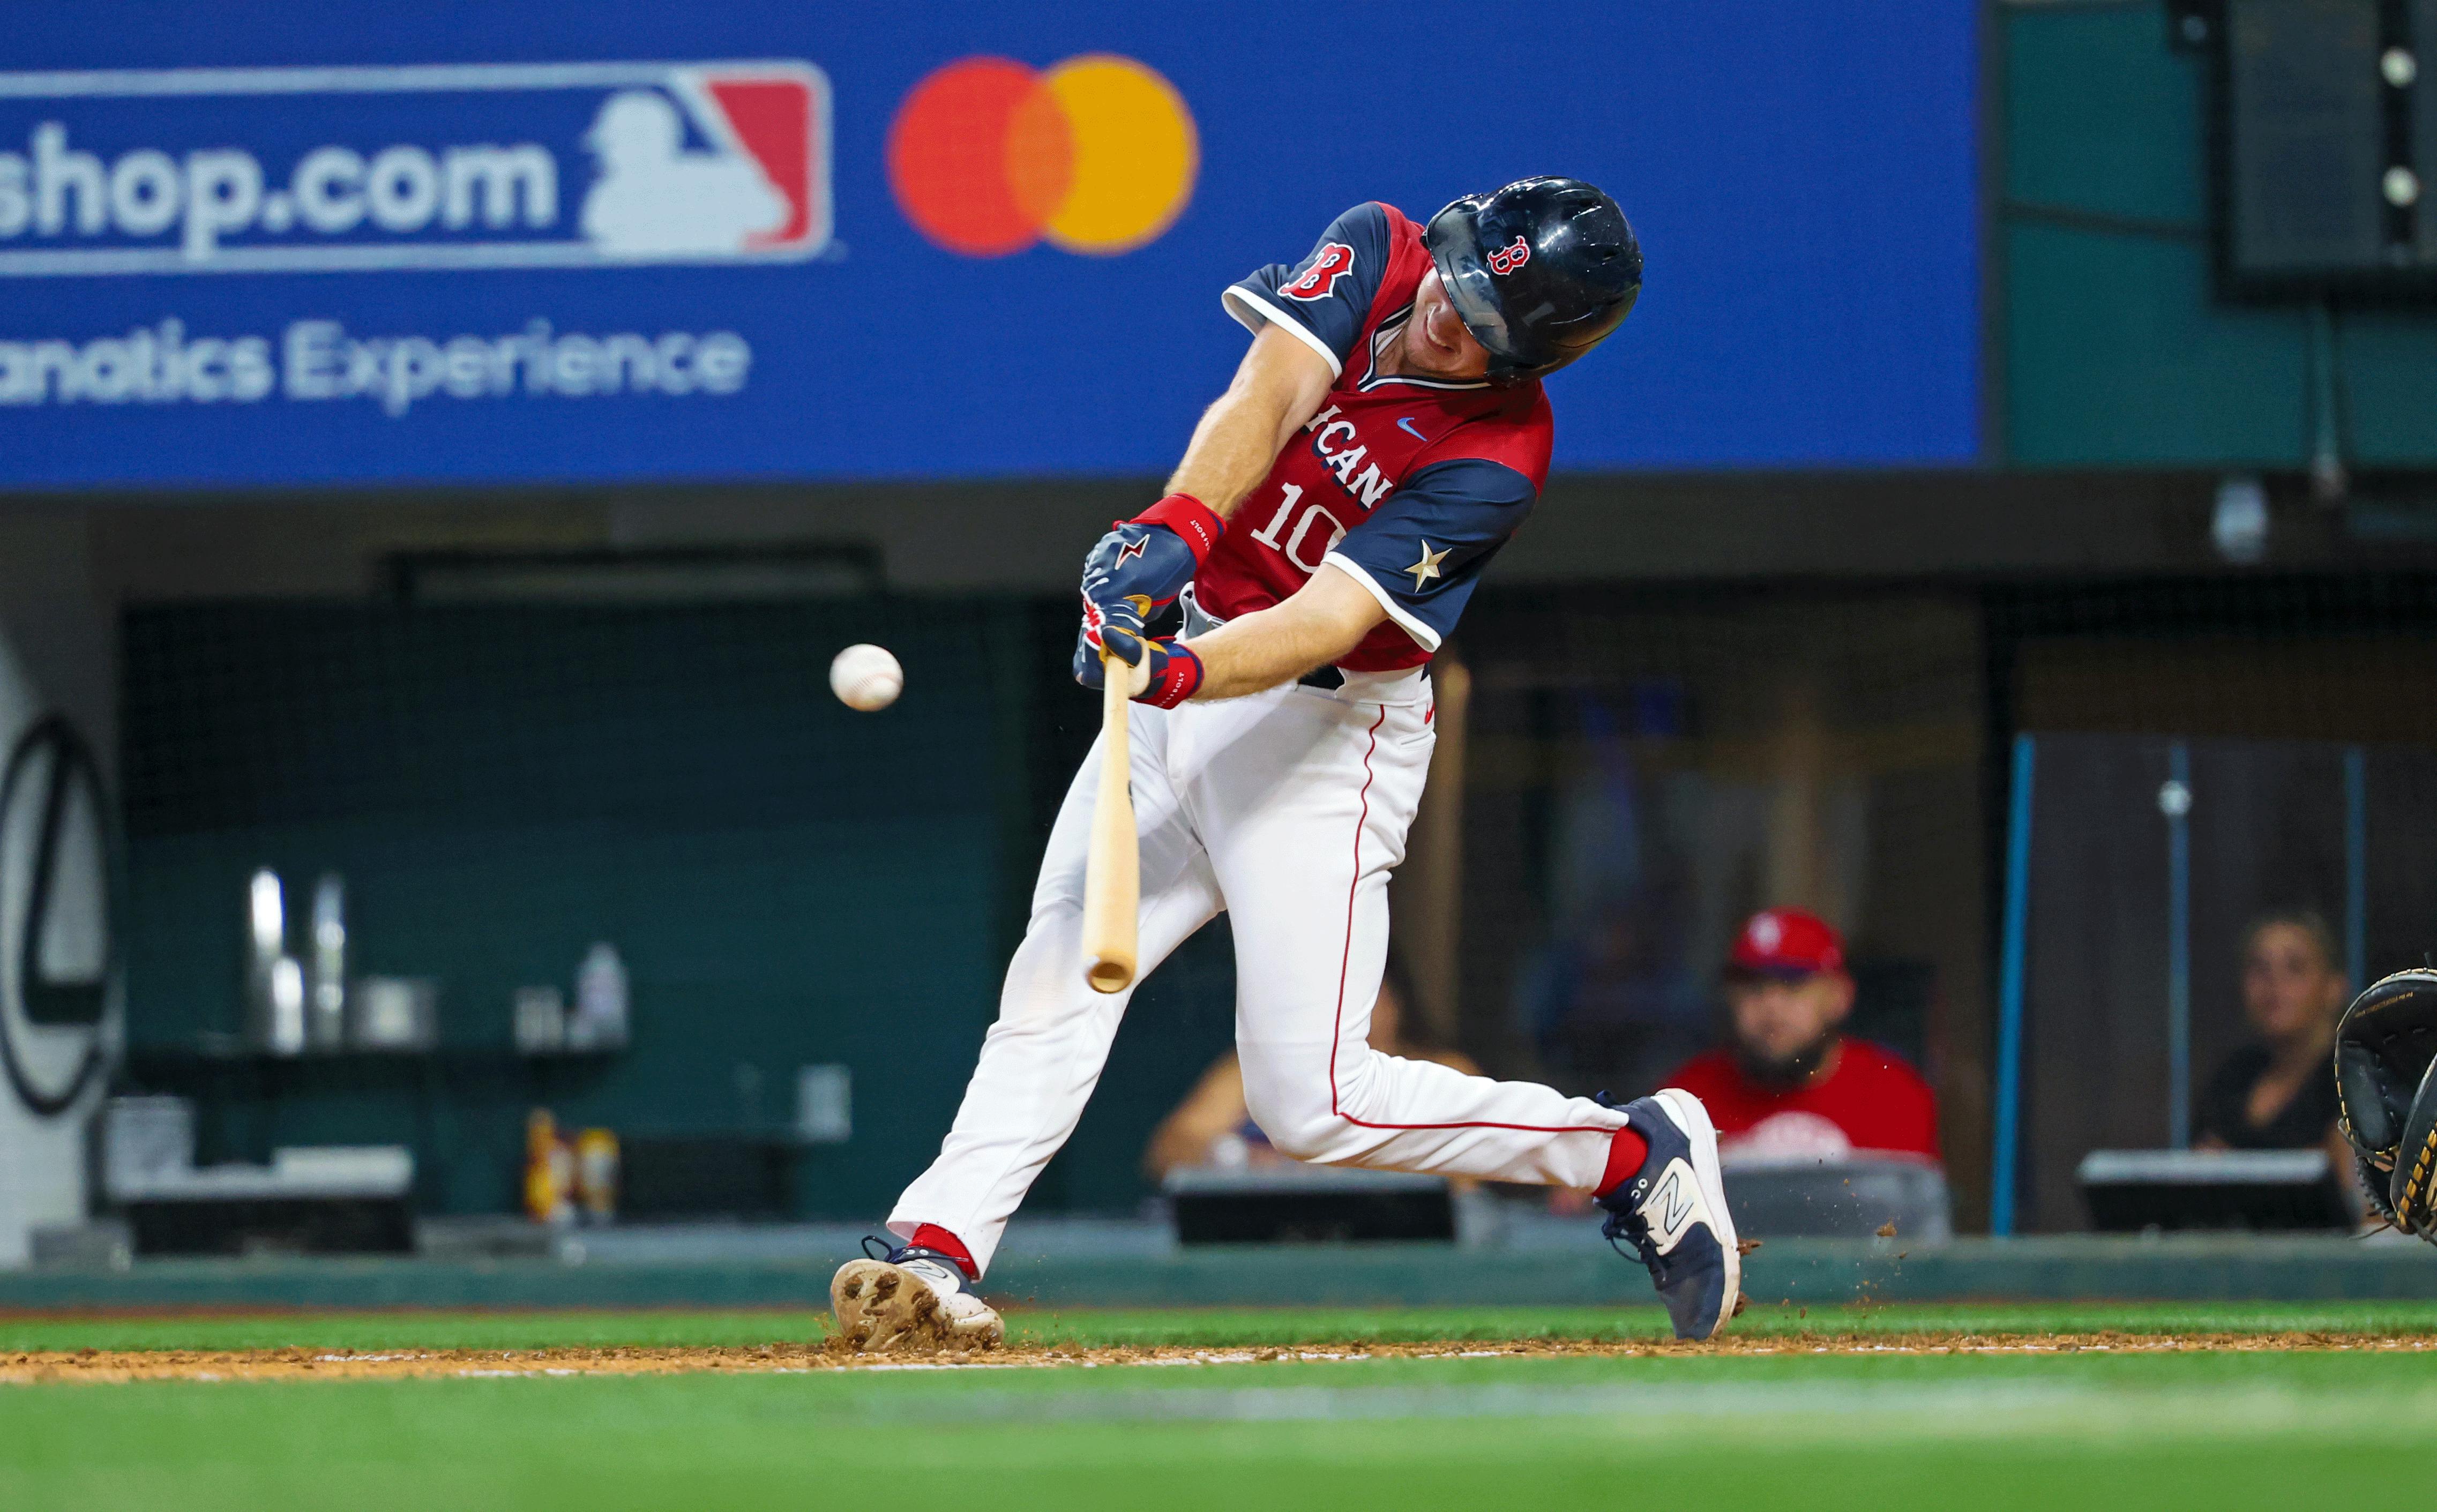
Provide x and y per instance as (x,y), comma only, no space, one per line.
(1190,518)
(1177,680)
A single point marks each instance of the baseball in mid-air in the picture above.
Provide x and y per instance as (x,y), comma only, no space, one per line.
(866,677)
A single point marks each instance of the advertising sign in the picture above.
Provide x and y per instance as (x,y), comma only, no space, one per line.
(299,245)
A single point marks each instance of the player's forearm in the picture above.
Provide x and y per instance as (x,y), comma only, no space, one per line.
(1259,651)
(1278,386)
(1315,628)
(1231,452)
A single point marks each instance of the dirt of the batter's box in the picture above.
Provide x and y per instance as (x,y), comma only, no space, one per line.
(103,1366)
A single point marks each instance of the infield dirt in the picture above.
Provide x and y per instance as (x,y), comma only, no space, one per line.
(110,1366)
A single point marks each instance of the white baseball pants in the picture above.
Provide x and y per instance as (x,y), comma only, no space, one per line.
(1288,810)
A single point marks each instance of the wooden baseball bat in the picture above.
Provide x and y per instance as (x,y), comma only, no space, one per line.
(1112,873)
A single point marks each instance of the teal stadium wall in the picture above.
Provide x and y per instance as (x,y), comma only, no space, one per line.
(2114,350)
(790,882)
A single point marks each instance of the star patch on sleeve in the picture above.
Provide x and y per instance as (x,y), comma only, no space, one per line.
(1427,567)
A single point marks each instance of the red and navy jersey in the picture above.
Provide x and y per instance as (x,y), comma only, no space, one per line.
(1409,484)
(1871,1101)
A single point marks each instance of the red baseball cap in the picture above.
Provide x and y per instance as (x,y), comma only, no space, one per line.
(1787,943)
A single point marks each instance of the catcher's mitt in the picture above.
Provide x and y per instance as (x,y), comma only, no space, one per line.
(2386,1090)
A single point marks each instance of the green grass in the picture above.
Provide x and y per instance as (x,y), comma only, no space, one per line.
(2219,1431)
(1215,1328)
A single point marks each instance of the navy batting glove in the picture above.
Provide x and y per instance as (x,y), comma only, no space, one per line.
(1140,565)
(1154,554)
(1120,621)
(1135,560)
(1175,671)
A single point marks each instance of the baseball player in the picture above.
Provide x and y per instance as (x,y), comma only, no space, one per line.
(1384,435)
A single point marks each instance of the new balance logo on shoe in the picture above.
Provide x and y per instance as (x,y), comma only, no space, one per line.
(943,1277)
(1668,1211)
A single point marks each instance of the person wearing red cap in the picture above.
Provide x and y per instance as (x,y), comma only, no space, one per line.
(1791,1085)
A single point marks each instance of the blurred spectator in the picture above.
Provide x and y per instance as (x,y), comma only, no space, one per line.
(1789,1084)
(1616,992)
(1212,1127)
(2276,1093)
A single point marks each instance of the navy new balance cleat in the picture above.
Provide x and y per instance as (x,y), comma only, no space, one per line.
(908,1300)
(1673,1209)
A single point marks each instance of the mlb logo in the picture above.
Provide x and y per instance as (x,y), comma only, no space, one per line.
(717,162)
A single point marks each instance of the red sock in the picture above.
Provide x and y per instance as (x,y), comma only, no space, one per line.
(1625,1154)
(932,1236)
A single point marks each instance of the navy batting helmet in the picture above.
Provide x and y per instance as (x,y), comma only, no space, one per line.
(1541,272)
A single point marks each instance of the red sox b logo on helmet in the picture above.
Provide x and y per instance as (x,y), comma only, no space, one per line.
(1319,281)
(1507,259)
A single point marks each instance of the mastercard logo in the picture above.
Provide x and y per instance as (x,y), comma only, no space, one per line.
(1096,155)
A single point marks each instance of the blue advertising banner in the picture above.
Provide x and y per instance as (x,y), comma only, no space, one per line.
(288,244)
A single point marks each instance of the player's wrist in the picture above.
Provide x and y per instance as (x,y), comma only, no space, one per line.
(1196,523)
(1176,677)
